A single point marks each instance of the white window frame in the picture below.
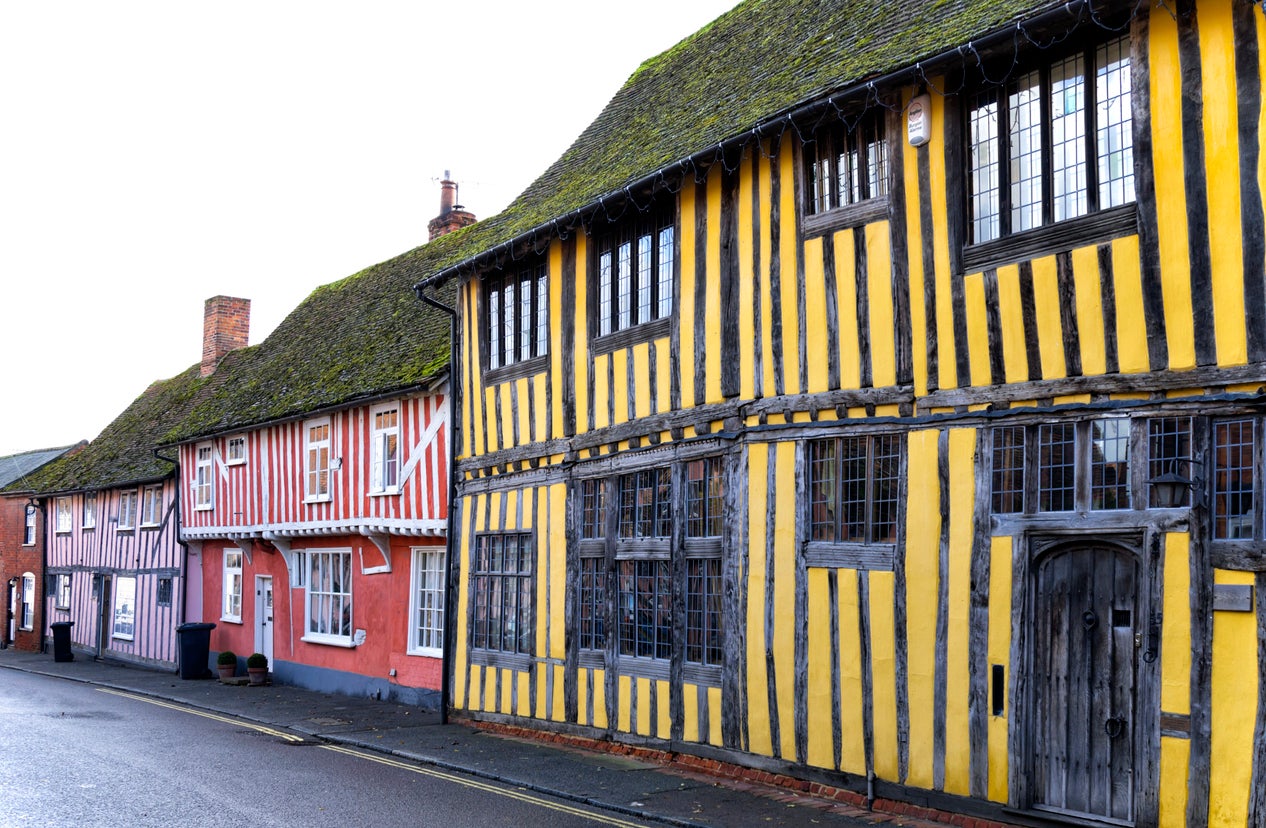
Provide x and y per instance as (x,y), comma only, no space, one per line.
(90,511)
(329,590)
(123,620)
(28,537)
(384,449)
(152,506)
(317,460)
(65,522)
(426,598)
(231,587)
(204,477)
(298,568)
(127,509)
(62,600)
(27,610)
(235,451)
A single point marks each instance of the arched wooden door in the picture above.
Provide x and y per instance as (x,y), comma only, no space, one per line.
(1086,614)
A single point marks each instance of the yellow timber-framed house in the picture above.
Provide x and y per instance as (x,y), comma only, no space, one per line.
(873,393)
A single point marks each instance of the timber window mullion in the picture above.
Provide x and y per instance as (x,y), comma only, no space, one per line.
(1090,137)
(1047,156)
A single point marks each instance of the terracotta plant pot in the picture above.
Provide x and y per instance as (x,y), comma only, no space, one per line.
(259,675)
(227,671)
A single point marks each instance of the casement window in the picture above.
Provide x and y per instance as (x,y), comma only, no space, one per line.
(517,314)
(61,588)
(1055,143)
(27,613)
(329,600)
(660,607)
(90,511)
(502,581)
(317,463)
(426,627)
(152,506)
(384,439)
(231,587)
(846,163)
(204,478)
(127,509)
(1169,450)
(634,265)
(853,489)
(124,608)
(28,532)
(298,568)
(235,451)
(61,510)
(163,596)
(1235,507)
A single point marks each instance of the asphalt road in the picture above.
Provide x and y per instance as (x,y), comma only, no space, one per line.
(77,755)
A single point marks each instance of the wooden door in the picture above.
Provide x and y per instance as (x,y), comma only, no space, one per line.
(105,615)
(1086,613)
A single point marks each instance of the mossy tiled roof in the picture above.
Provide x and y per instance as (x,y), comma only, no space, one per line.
(757,62)
(362,337)
(123,453)
(15,467)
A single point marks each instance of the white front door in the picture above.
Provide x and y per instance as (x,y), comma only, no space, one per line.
(264,617)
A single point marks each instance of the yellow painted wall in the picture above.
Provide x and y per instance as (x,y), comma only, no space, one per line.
(1236,674)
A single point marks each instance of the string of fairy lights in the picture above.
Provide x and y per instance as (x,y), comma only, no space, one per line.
(967,63)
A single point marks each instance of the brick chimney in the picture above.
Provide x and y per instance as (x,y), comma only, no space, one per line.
(226,326)
(452,216)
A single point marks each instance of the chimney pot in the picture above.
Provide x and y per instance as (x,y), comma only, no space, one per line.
(226,326)
(452,215)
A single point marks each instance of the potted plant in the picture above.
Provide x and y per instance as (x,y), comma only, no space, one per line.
(226,664)
(257,668)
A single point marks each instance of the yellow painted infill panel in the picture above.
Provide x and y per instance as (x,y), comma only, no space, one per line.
(686,315)
(846,303)
(599,698)
(914,256)
(663,377)
(1000,568)
(642,379)
(524,679)
(1015,358)
(664,724)
(1131,322)
(962,494)
(758,732)
(1089,302)
(512,417)
(746,319)
(1176,626)
(624,687)
(690,712)
(620,385)
(892,410)
(580,380)
(852,700)
(785,620)
(1071,399)
(542,412)
(1050,330)
(557,568)
(714,721)
(644,688)
(582,696)
(542,700)
(766,236)
(1171,201)
(712,317)
(815,316)
(883,329)
(507,682)
(977,328)
(1234,714)
(488,419)
(947,348)
(923,532)
(475,682)
(1222,177)
(601,391)
(524,388)
(558,708)
(884,673)
(820,704)
(787,246)
(1175,755)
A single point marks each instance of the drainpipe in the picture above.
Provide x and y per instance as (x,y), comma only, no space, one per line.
(450,586)
(184,547)
(42,583)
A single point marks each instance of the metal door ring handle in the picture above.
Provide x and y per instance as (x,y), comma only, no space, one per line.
(1114,727)
(1089,620)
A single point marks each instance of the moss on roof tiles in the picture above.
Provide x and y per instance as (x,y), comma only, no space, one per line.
(760,60)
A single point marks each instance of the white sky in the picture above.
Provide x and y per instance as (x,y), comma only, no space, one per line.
(154,154)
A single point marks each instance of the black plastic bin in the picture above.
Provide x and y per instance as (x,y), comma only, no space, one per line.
(61,640)
(195,650)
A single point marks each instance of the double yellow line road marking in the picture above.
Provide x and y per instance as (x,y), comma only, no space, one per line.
(469,782)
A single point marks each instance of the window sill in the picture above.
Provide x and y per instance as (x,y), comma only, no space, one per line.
(118,637)
(229,619)
(329,641)
(1082,231)
(844,555)
(204,508)
(516,370)
(635,335)
(235,463)
(844,218)
(150,525)
(425,652)
(89,528)
(127,529)
(385,493)
(315,500)
(62,532)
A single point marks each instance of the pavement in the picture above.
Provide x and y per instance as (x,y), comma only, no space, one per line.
(630,786)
